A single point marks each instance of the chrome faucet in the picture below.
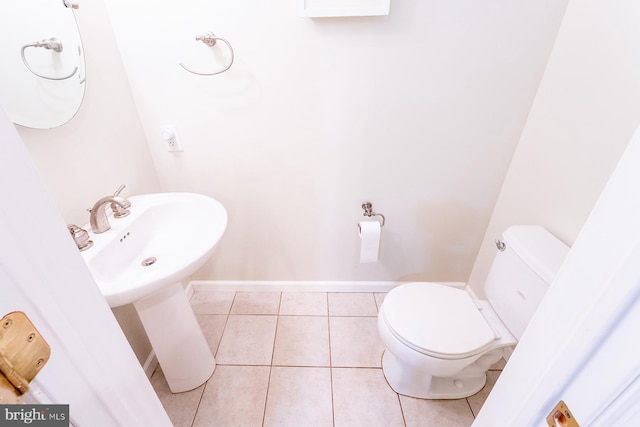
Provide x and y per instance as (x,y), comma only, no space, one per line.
(98,217)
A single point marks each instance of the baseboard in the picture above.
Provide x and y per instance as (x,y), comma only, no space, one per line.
(293,286)
(188,290)
(150,364)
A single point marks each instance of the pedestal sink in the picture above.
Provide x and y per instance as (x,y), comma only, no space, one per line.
(142,260)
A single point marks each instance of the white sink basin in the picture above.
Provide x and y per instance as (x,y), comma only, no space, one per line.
(143,258)
(179,230)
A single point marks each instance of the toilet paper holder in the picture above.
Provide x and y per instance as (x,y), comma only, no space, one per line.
(368,211)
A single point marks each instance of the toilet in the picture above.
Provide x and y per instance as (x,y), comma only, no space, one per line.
(441,339)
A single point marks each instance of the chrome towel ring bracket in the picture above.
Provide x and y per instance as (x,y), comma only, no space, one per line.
(210,40)
(51,44)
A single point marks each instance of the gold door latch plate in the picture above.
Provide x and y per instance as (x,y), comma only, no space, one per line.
(561,416)
(23,352)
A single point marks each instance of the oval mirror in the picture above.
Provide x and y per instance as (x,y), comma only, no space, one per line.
(42,80)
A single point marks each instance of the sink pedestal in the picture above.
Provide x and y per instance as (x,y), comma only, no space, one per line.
(175,335)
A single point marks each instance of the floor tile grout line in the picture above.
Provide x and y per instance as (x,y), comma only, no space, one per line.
(301,315)
(275,333)
(473,414)
(273,349)
(298,366)
(224,327)
(195,413)
(375,304)
(333,405)
(291,315)
(233,301)
(266,397)
(404,420)
(329,332)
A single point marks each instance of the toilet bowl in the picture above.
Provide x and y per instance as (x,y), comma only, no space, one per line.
(441,339)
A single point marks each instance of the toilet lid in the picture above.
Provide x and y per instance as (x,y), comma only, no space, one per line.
(437,320)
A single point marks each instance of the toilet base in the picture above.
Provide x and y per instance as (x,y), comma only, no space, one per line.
(419,384)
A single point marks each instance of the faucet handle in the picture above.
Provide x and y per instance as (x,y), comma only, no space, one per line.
(80,237)
(119,212)
(119,190)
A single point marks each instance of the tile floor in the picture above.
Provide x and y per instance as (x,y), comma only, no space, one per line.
(301,359)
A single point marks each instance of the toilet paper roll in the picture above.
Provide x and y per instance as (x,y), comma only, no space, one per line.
(370,233)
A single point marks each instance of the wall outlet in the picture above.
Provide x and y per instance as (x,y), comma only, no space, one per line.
(169,135)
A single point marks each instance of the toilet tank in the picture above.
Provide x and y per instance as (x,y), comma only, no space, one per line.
(521,274)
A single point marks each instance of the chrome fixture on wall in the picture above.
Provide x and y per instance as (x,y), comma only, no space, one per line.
(368,211)
(210,40)
(51,44)
(43,66)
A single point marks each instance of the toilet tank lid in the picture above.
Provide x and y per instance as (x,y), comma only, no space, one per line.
(538,248)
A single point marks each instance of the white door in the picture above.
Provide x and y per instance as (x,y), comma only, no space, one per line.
(583,345)
(92,367)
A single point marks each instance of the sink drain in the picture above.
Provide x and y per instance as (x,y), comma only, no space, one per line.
(149,261)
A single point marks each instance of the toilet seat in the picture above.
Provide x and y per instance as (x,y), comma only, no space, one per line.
(437,320)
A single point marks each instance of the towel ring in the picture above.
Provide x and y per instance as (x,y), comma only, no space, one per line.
(51,44)
(210,40)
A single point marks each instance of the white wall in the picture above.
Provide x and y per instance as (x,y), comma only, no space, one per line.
(418,112)
(586,109)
